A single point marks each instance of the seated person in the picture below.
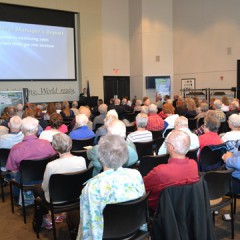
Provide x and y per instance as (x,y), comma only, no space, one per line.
(9,112)
(115,184)
(141,135)
(232,161)
(14,136)
(81,131)
(210,136)
(66,163)
(30,148)
(66,112)
(179,170)
(116,127)
(234,125)
(100,118)
(155,122)
(56,122)
(181,123)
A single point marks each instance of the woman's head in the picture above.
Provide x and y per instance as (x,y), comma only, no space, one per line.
(56,120)
(62,143)
(112,151)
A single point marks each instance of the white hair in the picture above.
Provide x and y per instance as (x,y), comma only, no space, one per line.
(81,120)
(112,112)
(15,122)
(234,120)
(117,127)
(29,125)
(152,108)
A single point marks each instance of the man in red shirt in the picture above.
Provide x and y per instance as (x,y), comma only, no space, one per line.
(180,170)
(155,122)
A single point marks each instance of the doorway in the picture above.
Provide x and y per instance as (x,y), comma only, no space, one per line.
(115,85)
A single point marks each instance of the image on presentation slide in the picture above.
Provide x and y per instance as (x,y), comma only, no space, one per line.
(163,85)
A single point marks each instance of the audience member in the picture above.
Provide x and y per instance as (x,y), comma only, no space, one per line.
(50,110)
(217,105)
(56,122)
(155,123)
(38,115)
(75,107)
(116,127)
(138,107)
(66,163)
(15,135)
(158,102)
(114,185)
(3,130)
(81,131)
(234,125)
(210,136)
(19,110)
(233,108)
(202,111)
(181,123)
(100,118)
(225,104)
(30,148)
(180,108)
(179,170)
(10,112)
(66,112)
(191,108)
(141,135)
(86,110)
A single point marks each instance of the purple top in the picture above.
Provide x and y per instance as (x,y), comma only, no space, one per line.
(30,148)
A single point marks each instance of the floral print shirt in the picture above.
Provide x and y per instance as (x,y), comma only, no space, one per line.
(111,186)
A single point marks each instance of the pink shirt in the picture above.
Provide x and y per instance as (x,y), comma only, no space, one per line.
(30,148)
(63,128)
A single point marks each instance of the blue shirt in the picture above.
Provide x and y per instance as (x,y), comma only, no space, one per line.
(81,133)
(234,162)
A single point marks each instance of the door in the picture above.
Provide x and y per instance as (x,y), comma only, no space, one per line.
(113,85)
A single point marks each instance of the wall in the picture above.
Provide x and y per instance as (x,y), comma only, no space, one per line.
(206,42)
(89,50)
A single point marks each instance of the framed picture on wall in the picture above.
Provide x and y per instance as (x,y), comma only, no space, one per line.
(188,83)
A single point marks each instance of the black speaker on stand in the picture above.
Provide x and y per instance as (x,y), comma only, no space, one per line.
(25,95)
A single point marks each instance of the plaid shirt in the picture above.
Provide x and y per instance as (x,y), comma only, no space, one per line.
(155,122)
(221,115)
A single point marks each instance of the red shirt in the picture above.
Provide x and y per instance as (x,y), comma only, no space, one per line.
(176,172)
(209,138)
(155,122)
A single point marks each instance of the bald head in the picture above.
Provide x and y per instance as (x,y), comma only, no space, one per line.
(178,143)
(15,124)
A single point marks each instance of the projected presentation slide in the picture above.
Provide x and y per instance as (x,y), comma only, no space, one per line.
(163,85)
(33,51)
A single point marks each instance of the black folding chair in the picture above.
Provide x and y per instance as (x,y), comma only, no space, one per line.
(147,163)
(3,160)
(123,220)
(81,143)
(64,192)
(144,148)
(193,154)
(219,187)
(29,171)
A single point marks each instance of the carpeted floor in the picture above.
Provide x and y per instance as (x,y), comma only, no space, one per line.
(12,226)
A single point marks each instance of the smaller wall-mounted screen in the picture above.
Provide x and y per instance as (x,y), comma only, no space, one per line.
(163,85)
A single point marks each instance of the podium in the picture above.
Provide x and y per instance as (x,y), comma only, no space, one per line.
(88,101)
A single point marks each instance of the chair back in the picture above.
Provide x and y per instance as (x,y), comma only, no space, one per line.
(211,157)
(223,127)
(144,148)
(123,220)
(147,163)
(219,183)
(4,152)
(130,129)
(33,170)
(158,143)
(192,123)
(200,122)
(193,154)
(67,187)
(98,125)
(156,134)
(81,143)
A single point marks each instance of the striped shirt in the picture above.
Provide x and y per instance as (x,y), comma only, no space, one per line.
(139,136)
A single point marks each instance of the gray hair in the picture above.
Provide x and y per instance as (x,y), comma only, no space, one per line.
(181,122)
(142,120)
(15,122)
(112,151)
(29,125)
(138,102)
(217,103)
(81,120)
(234,120)
(62,143)
(117,127)
(103,108)
(109,119)
(112,112)
(144,109)
(212,123)
(180,140)
(204,107)
(74,104)
(152,108)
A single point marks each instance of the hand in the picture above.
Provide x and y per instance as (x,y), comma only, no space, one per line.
(226,156)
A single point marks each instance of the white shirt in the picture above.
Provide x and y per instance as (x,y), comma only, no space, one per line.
(139,136)
(232,135)
(194,141)
(61,165)
(10,139)
(48,134)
